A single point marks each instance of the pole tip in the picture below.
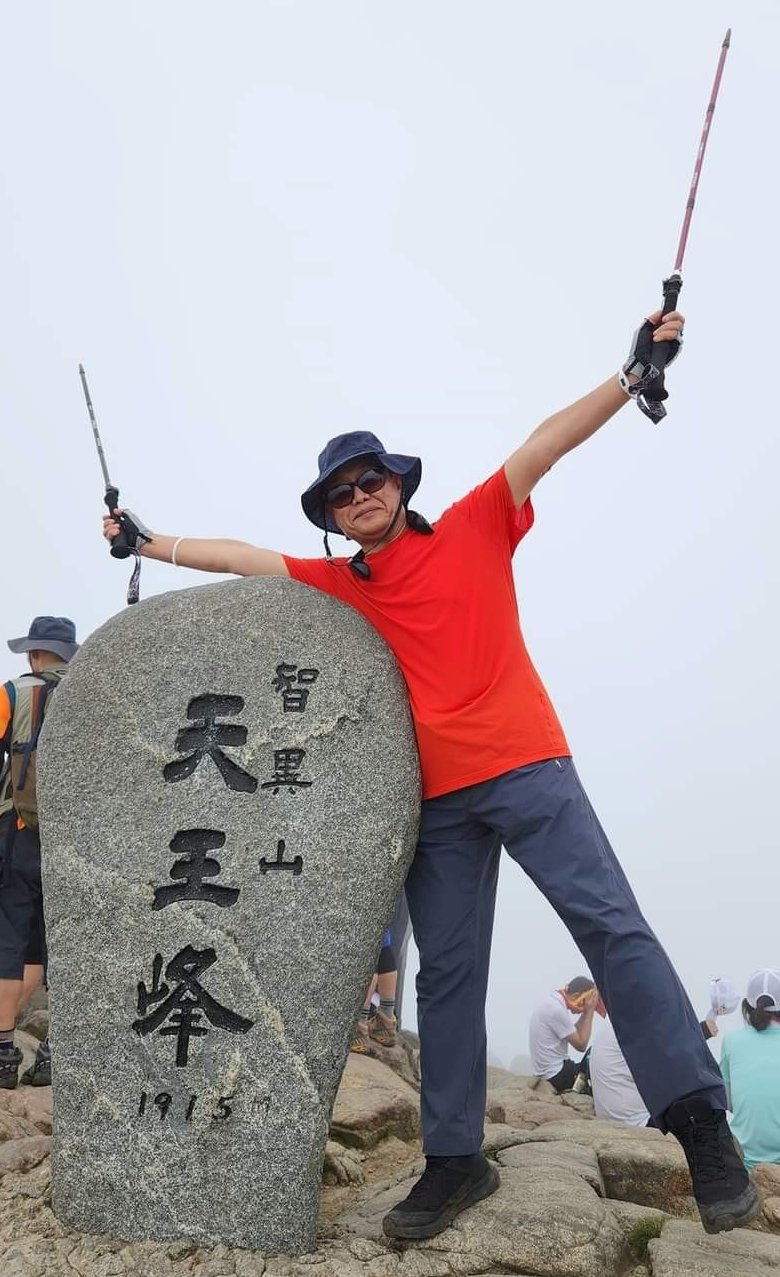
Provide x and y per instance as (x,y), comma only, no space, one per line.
(81,369)
(727,40)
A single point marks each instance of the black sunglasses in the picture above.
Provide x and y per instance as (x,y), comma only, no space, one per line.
(341,494)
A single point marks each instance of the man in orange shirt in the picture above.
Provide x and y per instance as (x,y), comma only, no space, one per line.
(49,644)
(496,769)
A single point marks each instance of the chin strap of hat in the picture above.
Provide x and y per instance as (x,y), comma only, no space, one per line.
(358,561)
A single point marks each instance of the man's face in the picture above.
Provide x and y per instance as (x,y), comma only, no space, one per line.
(40,660)
(368,516)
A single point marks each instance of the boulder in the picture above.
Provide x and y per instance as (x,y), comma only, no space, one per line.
(22,1154)
(550,1159)
(31,1102)
(638,1164)
(685,1250)
(229,793)
(372,1103)
(553,1225)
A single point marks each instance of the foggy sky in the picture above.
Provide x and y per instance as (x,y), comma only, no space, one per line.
(261,224)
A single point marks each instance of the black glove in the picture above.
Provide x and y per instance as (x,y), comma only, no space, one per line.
(133,535)
(650,389)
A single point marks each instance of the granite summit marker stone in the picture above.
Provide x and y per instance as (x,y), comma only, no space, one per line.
(229,797)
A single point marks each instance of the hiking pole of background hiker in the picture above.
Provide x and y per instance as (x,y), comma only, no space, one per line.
(124,544)
(649,399)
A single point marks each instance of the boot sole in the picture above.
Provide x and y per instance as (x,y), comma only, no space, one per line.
(416,1232)
(742,1211)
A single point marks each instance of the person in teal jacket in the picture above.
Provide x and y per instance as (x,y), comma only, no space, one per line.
(750,1064)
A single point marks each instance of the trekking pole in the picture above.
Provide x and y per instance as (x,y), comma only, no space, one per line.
(122,546)
(672,286)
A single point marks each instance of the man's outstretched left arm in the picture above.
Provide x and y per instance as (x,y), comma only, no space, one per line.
(570,427)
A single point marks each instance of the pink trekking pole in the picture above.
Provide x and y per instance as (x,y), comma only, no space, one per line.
(652,407)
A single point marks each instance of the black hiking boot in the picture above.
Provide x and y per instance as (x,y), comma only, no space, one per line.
(722,1187)
(447,1186)
(39,1072)
(9,1068)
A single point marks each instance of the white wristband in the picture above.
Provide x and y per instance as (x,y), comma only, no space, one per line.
(624,383)
(176,545)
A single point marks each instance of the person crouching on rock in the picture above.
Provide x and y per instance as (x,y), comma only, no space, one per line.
(562,1019)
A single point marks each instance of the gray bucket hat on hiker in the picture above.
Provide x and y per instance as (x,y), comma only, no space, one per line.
(49,634)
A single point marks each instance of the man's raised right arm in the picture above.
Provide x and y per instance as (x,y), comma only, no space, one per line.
(206,554)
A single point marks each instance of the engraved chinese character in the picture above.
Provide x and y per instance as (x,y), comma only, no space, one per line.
(294,866)
(193,867)
(186,1004)
(286,765)
(294,685)
(206,738)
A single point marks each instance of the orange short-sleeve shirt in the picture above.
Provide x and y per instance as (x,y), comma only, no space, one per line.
(5,710)
(446,606)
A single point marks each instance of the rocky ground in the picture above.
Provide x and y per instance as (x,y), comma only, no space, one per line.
(578,1198)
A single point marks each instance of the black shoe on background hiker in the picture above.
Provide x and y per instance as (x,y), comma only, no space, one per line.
(721,1185)
(39,1072)
(447,1186)
(9,1068)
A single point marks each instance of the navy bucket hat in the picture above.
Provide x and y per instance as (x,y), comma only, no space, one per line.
(49,634)
(345,448)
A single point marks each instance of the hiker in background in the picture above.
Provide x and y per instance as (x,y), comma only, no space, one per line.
(378,1023)
(50,644)
(750,1063)
(562,1019)
(615,1093)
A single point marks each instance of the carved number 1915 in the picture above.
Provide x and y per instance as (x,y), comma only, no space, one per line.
(163,1101)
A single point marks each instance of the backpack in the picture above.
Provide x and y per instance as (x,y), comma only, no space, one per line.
(29,696)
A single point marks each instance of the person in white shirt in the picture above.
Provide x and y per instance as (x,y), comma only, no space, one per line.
(563,1019)
(614,1090)
(615,1094)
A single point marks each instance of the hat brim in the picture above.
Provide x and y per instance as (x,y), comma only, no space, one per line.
(409,470)
(66,650)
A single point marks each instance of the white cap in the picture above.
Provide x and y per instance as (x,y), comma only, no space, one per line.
(764,988)
(724,996)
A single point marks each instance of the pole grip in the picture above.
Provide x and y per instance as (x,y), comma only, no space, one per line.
(120,546)
(662,350)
